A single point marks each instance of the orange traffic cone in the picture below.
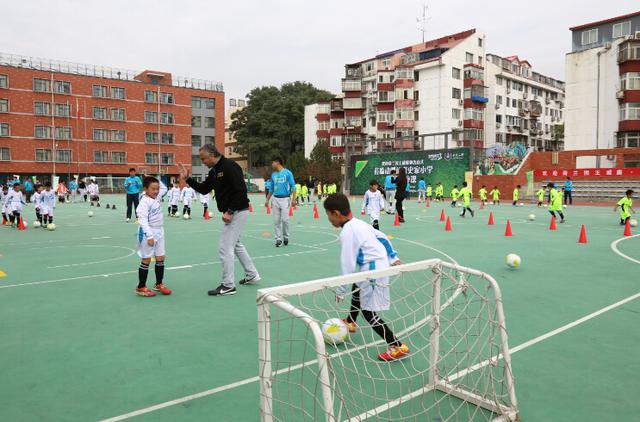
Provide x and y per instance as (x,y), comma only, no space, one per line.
(268,209)
(428,203)
(4,220)
(207,216)
(627,228)
(250,207)
(21,224)
(490,223)
(583,235)
(442,215)
(507,231)
(397,221)
(447,227)
(552,225)
(315,214)
(290,211)
(315,207)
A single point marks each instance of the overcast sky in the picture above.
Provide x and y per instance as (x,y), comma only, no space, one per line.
(246,43)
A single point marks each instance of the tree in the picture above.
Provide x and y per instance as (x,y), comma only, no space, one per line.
(321,167)
(273,121)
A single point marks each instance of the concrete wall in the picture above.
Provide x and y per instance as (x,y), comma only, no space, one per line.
(310,128)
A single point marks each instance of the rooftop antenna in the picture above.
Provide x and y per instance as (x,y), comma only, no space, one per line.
(423,19)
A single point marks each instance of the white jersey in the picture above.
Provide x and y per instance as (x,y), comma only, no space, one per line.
(3,198)
(365,249)
(204,198)
(47,202)
(186,195)
(93,189)
(173,196)
(150,218)
(373,203)
(35,199)
(15,201)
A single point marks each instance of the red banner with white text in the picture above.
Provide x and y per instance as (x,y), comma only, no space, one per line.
(588,173)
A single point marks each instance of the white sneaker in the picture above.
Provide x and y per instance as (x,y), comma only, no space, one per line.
(128,220)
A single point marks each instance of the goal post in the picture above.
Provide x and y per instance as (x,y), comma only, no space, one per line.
(451,318)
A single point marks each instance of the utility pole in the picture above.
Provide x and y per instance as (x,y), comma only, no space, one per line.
(423,19)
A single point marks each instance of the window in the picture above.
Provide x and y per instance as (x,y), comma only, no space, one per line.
(196,102)
(196,121)
(43,132)
(100,113)
(455,113)
(41,85)
(63,133)
(41,109)
(63,155)
(628,139)
(4,129)
(209,103)
(151,96)
(209,140)
(5,154)
(514,103)
(456,93)
(195,160)
(196,140)
(590,36)
(167,158)
(168,138)
(473,114)
(118,135)
(4,105)
(62,87)
(151,137)
(385,117)
(118,157)
(386,96)
(630,111)
(100,156)
(622,29)
(455,73)
(100,91)
(468,58)
(150,117)
(117,93)
(4,81)
(416,115)
(498,99)
(43,154)
(209,123)
(498,118)
(151,157)
(99,134)
(629,51)
(508,102)
(118,114)
(62,110)
(166,118)
(630,80)
(166,98)
(480,42)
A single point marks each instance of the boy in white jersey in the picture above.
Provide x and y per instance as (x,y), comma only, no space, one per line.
(47,204)
(363,249)
(94,193)
(35,200)
(173,197)
(204,200)
(373,203)
(15,203)
(186,197)
(3,204)
(151,236)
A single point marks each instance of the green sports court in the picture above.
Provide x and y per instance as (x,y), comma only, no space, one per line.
(77,344)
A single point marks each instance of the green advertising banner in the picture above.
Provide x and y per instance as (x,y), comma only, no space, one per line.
(445,166)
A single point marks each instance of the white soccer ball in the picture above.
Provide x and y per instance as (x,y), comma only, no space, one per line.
(36,224)
(565,206)
(521,204)
(334,331)
(51,226)
(545,205)
(90,213)
(532,217)
(513,261)
(633,222)
(459,205)
(185,216)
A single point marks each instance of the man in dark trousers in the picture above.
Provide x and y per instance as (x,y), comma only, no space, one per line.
(133,186)
(226,179)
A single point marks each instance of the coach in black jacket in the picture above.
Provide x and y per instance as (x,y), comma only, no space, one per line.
(225,178)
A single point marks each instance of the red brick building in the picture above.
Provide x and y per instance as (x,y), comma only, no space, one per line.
(71,119)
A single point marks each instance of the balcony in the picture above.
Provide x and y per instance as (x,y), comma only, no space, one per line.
(629,50)
(322,133)
(353,71)
(352,103)
(536,108)
(404,73)
(351,85)
(336,105)
(384,125)
(401,123)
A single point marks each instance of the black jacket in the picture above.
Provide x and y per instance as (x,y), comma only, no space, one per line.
(227,180)
(401,187)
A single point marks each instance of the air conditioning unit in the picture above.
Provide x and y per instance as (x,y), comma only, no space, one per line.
(497,106)
(525,95)
(607,46)
(460,123)
(620,95)
(547,100)
(498,125)
(461,102)
(637,35)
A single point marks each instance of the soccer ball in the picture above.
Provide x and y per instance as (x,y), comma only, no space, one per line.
(51,226)
(513,261)
(532,217)
(565,206)
(185,216)
(521,204)
(633,222)
(459,205)
(545,205)
(90,213)
(36,224)
(334,331)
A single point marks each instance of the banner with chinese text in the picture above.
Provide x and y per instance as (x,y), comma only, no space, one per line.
(592,173)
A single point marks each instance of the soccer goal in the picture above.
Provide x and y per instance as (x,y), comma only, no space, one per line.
(451,317)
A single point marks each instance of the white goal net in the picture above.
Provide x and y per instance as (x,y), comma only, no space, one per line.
(450,317)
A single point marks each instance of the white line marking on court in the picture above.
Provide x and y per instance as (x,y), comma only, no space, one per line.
(179,267)
(96,262)
(102,237)
(614,248)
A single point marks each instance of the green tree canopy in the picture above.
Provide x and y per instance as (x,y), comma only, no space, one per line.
(273,121)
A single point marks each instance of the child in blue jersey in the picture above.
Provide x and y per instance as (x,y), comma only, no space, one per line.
(364,249)
(281,197)
(390,191)
(422,189)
